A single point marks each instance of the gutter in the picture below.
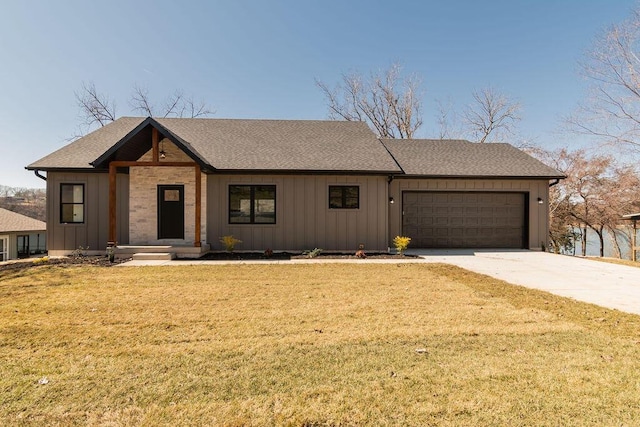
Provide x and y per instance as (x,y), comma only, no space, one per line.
(37,172)
(554,182)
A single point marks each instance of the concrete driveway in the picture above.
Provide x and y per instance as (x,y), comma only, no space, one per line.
(604,284)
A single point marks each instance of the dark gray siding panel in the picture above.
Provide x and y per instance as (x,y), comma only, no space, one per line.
(303,218)
(94,232)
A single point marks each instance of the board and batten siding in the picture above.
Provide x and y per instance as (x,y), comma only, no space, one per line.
(93,234)
(303,218)
(532,188)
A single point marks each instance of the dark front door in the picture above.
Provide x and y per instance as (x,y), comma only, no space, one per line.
(170,211)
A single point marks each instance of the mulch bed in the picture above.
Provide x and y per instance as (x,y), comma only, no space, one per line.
(245,256)
(23,264)
(103,261)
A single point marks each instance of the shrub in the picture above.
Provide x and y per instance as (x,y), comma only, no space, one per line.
(312,253)
(229,242)
(79,253)
(401,243)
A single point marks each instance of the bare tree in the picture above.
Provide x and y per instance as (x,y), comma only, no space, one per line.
(388,103)
(177,105)
(563,228)
(448,121)
(98,109)
(139,101)
(595,195)
(491,116)
(612,111)
(95,108)
(193,109)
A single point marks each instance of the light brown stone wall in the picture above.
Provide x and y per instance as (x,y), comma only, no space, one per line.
(143,204)
(144,181)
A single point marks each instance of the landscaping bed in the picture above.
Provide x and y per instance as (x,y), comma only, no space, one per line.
(246,256)
(22,264)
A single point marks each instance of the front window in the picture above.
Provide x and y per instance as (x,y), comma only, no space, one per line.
(344,197)
(252,204)
(72,203)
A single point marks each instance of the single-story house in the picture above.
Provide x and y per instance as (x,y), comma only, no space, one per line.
(288,185)
(20,235)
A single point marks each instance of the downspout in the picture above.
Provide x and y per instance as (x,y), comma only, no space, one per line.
(556,181)
(37,172)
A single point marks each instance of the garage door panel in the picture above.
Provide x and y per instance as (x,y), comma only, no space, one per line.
(464,220)
(456,221)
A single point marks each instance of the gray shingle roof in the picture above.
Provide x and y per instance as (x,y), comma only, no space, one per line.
(81,152)
(283,144)
(459,158)
(15,222)
(237,144)
(304,145)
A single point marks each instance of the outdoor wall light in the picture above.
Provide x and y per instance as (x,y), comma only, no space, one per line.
(391,201)
(540,201)
(163,155)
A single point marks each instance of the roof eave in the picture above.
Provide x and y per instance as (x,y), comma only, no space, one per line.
(432,176)
(64,169)
(306,172)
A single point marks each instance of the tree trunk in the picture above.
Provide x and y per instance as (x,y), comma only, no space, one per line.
(615,244)
(584,241)
(601,238)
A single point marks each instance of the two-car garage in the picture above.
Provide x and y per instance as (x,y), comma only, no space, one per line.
(458,219)
(460,194)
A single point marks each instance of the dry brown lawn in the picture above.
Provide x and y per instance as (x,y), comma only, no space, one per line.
(616,261)
(307,345)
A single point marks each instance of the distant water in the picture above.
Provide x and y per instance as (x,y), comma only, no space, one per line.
(593,245)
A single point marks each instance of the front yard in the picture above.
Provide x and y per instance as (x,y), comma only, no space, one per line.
(325,344)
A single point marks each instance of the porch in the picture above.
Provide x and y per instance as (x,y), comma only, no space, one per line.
(161,252)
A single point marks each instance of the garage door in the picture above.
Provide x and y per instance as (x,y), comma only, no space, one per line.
(464,220)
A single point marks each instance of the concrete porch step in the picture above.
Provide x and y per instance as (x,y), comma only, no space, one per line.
(154,256)
(177,251)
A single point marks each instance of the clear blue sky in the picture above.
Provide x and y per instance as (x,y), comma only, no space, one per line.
(259,59)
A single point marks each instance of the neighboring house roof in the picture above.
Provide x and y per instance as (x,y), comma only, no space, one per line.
(459,158)
(237,144)
(15,222)
(294,146)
